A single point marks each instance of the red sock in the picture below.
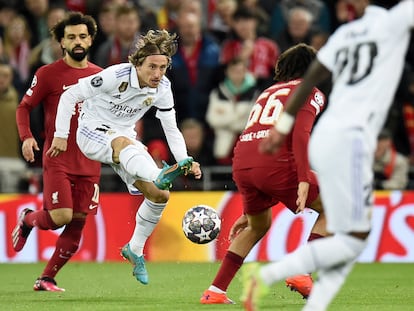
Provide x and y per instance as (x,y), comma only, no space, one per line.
(66,246)
(228,269)
(314,236)
(40,219)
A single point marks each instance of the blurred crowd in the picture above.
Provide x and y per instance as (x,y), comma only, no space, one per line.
(227,50)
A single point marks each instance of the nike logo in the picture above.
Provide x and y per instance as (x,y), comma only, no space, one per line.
(92,206)
(65,87)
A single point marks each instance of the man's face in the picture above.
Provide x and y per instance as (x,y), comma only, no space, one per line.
(151,71)
(77,41)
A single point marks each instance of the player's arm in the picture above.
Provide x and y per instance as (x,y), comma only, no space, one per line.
(300,140)
(175,138)
(23,126)
(66,107)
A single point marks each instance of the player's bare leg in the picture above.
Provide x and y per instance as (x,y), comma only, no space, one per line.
(239,248)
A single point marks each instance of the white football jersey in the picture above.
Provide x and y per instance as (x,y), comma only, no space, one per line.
(366,58)
(114,97)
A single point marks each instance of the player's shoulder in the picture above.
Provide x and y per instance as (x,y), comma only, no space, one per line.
(51,68)
(119,70)
(165,84)
(94,67)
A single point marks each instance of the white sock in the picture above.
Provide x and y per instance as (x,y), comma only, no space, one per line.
(216,289)
(138,163)
(326,287)
(316,255)
(147,217)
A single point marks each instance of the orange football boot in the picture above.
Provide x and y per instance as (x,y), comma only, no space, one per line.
(301,284)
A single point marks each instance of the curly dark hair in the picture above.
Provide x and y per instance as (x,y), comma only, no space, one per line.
(293,63)
(154,42)
(72,19)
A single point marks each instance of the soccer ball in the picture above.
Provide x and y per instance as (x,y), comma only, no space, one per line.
(201,224)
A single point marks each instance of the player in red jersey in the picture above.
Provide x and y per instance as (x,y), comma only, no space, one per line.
(264,180)
(71,190)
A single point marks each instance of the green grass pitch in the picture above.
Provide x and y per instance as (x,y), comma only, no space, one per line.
(178,286)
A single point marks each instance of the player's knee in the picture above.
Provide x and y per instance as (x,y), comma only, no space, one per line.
(117,145)
(61,216)
(159,196)
(260,229)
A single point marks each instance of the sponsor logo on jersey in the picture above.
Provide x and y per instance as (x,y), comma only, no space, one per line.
(123,87)
(65,87)
(93,206)
(97,81)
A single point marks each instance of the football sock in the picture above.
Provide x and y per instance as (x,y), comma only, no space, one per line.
(314,236)
(138,163)
(319,254)
(228,269)
(66,246)
(327,286)
(40,219)
(147,217)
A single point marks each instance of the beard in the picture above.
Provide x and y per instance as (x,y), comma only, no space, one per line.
(76,55)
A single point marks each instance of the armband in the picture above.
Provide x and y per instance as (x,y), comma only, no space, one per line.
(285,123)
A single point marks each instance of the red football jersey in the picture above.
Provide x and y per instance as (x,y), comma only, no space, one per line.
(261,62)
(48,83)
(292,157)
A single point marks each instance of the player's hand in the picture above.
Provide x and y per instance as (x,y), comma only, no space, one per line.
(271,143)
(28,147)
(58,146)
(303,190)
(196,170)
(239,225)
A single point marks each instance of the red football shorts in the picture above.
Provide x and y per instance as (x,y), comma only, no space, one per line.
(263,187)
(62,190)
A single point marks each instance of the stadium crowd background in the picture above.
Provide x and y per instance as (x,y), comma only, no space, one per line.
(226,54)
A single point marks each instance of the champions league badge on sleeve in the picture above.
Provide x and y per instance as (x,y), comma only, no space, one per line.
(97,81)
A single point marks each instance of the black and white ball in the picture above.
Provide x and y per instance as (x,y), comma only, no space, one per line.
(201,224)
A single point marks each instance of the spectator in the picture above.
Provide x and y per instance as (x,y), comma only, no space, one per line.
(196,7)
(12,167)
(48,50)
(260,53)
(7,12)
(106,26)
(167,15)
(198,145)
(17,49)
(194,68)
(35,12)
(318,9)
(229,108)
(116,48)
(263,18)
(391,168)
(297,30)
(220,22)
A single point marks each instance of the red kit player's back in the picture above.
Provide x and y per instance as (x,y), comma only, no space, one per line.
(263,116)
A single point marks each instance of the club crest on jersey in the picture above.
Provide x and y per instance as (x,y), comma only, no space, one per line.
(97,81)
(148,101)
(55,198)
(123,87)
(319,98)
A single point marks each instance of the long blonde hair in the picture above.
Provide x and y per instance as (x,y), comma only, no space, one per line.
(154,42)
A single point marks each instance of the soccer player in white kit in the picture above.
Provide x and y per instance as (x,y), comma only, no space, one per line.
(113,101)
(365,58)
